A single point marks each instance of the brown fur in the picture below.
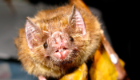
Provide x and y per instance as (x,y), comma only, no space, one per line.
(36,63)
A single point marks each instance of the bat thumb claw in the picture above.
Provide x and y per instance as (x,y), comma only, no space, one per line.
(41,78)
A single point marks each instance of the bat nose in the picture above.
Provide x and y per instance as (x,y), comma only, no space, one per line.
(60,45)
(59,39)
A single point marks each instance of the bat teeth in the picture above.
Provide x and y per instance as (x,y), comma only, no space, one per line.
(61,49)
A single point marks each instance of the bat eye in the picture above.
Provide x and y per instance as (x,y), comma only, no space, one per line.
(71,39)
(45,45)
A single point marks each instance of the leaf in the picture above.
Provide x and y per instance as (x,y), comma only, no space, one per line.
(102,67)
(79,74)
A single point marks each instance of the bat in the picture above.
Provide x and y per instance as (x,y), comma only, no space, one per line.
(56,41)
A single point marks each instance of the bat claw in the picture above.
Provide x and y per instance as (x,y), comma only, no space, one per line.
(41,78)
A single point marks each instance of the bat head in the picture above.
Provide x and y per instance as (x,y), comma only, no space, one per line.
(61,42)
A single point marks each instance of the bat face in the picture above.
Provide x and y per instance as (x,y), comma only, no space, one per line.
(59,46)
(60,43)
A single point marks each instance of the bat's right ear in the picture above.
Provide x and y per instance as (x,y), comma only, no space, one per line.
(33,34)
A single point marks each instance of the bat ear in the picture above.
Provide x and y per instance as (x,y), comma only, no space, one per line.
(77,21)
(33,34)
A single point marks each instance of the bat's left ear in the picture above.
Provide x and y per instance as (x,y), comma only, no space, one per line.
(77,21)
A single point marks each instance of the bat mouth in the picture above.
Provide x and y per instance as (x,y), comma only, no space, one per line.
(65,56)
(61,53)
(62,49)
